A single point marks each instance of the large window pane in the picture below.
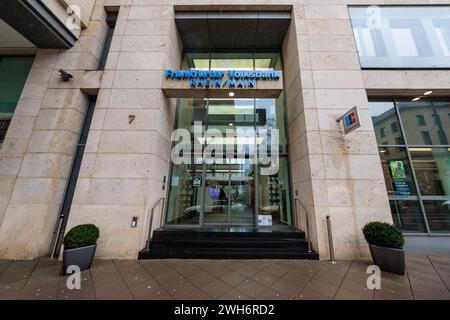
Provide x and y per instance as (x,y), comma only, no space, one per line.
(274,198)
(425,122)
(432,167)
(235,61)
(397,172)
(407,215)
(438,215)
(267,61)
(185,194)
(402,37)
(385,123)
(270,115)
(225,191)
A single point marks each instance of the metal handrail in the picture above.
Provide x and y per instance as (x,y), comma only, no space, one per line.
(149,238)
(330,240)
(306,220)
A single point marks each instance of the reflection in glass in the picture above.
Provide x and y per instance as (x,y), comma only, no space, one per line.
(274,198)
(270,115)
(438,215)
(385,122)
(397,172)
(235,61)
(425,121)
(229,192)
(190,111)
(266,61)
(407,215)
(185,194)
(224,190)
(402,37)
(432,167)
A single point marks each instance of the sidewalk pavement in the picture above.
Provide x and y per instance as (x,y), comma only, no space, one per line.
(428,277)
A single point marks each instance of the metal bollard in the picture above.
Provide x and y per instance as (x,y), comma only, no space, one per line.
(330,241)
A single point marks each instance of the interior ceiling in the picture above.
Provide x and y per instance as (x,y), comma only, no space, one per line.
(257,29)
(10,38)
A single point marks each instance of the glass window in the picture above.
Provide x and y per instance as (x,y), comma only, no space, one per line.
(438,215)
(426,137)
(407,215)
(420,120)
(418,189)
(432,167)
(235,61)
(4,124)
(383,114)
(418,131)
(224,191)
(274,194)
(13,75)
(185,194)
(394,127)
(402,37)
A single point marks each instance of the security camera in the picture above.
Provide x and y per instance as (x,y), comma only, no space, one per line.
(64,75)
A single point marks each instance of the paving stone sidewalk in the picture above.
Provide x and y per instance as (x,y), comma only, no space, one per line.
(428,277)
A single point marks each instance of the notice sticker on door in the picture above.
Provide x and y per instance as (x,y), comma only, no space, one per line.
(197,181)
(264,220)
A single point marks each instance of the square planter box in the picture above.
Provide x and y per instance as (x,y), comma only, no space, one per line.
(81,257)
(388,259)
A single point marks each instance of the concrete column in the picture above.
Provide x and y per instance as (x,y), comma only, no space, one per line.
(334,175)
(125,161)
(36,157)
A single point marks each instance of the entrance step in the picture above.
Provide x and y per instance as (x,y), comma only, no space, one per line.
(227,244)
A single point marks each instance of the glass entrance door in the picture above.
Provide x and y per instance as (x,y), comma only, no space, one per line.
(229,193)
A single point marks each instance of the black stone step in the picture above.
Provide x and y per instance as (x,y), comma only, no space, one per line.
(230,243)
(183,234)
(219,243)
(227,253)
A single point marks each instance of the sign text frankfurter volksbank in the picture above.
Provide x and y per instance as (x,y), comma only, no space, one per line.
(239,79)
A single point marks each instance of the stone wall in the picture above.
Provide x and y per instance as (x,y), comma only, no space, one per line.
(124,163)
(36,157)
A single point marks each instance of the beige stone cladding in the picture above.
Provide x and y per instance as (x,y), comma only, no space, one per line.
(37,153)
(125,161)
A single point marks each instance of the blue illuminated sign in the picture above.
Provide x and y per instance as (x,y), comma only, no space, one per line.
(239,79)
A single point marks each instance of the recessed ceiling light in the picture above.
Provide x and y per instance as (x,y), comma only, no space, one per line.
(231,94)
(416,99)
(230,124)
(428,93)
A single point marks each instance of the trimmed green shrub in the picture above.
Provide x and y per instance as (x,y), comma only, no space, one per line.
(81,236)
(383,234)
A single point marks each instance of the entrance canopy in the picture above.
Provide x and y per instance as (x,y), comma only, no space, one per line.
(231,29)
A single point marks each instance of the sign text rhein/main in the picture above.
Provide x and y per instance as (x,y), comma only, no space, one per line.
(239,79)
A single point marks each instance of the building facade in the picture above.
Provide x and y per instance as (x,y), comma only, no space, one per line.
(96,95)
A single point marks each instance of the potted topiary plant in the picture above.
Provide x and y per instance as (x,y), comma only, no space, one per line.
(386,246)
(80,244)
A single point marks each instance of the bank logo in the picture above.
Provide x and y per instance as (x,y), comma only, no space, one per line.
(212,146)
(233,79)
